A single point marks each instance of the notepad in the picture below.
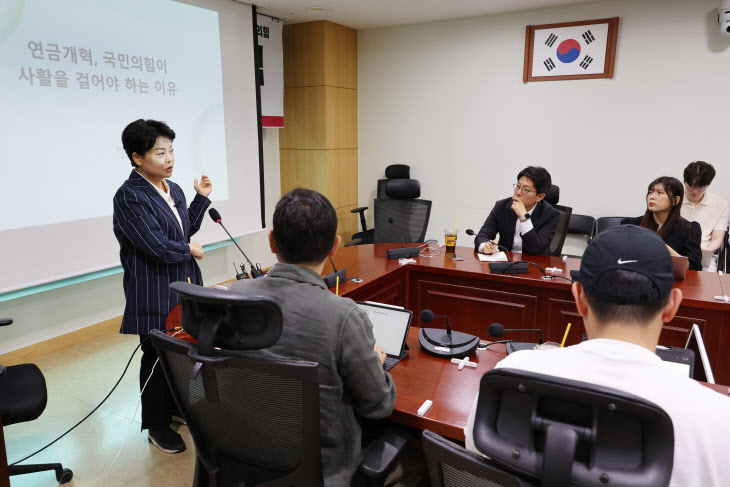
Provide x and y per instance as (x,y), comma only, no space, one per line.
(496,257)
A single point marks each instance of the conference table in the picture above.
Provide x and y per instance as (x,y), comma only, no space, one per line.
(473,298)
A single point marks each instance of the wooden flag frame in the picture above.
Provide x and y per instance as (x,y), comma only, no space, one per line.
(610,56)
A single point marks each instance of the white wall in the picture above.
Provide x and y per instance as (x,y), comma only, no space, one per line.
(448,99)
(52,313)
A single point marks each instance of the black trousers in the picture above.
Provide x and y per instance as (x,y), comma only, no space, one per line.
(158,404)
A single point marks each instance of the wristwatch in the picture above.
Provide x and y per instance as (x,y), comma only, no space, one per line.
(525,218)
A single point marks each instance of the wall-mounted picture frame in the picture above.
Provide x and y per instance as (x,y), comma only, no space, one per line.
(570,50)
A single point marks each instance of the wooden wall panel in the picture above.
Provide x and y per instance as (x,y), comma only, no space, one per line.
(340,118)
(303,47)
(347,223)
(303,169)
(340,56)
(318,145)
(304,119)
(342,177)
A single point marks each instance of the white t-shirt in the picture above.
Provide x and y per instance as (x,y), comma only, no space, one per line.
(168,199)
(711,213)
(701,416)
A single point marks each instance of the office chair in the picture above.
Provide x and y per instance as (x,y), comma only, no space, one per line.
(561,231)
(254,421)
(394,171)
(605,222)
(23,397)
(581,225)
(552,196)
(452,465)
(402,217)
(559,432)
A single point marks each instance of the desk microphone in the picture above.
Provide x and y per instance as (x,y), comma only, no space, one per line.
(405,252)
(330,280)
(255,271)
(453,344)
(469,231)
(497,330)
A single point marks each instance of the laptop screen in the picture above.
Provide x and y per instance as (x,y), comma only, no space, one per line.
(390,326)
(702,369)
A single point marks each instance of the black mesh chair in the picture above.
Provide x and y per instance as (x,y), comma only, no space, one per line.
(23,398)
(581,225)
(394,171)
(253,421)
(561,231)
(552,196)
(605,222)
(559,432)
(451,465)
(402,216)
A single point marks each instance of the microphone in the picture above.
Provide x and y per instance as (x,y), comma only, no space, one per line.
(453,344)
(469,231)
(428,316)
(255,272)
(330,280)
(405,252)
(497,330)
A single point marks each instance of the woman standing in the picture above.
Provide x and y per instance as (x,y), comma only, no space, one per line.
(153,227)
(663,206)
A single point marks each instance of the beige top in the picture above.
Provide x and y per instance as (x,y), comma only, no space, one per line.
(711,213)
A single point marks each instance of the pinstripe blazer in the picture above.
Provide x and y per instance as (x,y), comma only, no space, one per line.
(154,250)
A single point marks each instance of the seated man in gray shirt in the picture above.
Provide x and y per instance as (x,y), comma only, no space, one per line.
(322,327)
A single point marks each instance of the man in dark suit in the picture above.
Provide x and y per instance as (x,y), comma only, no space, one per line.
(525,223)
(153,227)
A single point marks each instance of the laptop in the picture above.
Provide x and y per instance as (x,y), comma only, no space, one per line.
(390,328)
(681,264)
(691,360)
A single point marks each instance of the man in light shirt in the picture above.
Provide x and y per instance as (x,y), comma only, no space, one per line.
(707,209)
(625,293)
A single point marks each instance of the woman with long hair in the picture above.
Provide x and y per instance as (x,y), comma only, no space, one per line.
(663,205)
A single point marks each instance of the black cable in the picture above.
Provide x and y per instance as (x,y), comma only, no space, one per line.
(563,277)
(97,407)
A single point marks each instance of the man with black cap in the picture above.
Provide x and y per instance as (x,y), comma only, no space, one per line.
(624,292)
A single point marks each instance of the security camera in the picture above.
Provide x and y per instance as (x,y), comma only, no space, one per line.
(723,17)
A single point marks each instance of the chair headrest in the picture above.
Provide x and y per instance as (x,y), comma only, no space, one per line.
(552,195)
(398,171)
(403,188)
(228,320)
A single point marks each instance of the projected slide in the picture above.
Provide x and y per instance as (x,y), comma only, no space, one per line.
(74,73)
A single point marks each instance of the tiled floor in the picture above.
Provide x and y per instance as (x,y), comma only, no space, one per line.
(78,378)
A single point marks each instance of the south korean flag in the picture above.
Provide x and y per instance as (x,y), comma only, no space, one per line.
(569,51)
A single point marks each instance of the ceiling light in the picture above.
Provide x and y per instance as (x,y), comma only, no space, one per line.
(318,9)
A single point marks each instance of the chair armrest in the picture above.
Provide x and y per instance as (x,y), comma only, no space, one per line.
(380,457)
(6,321)
(359,210)
(354,241)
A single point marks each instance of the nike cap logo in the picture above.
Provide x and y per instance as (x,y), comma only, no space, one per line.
(626,261)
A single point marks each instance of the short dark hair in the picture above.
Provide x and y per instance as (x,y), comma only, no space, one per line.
(627,283)
(305,227)
(141,135)
(699,173)
(539,176)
